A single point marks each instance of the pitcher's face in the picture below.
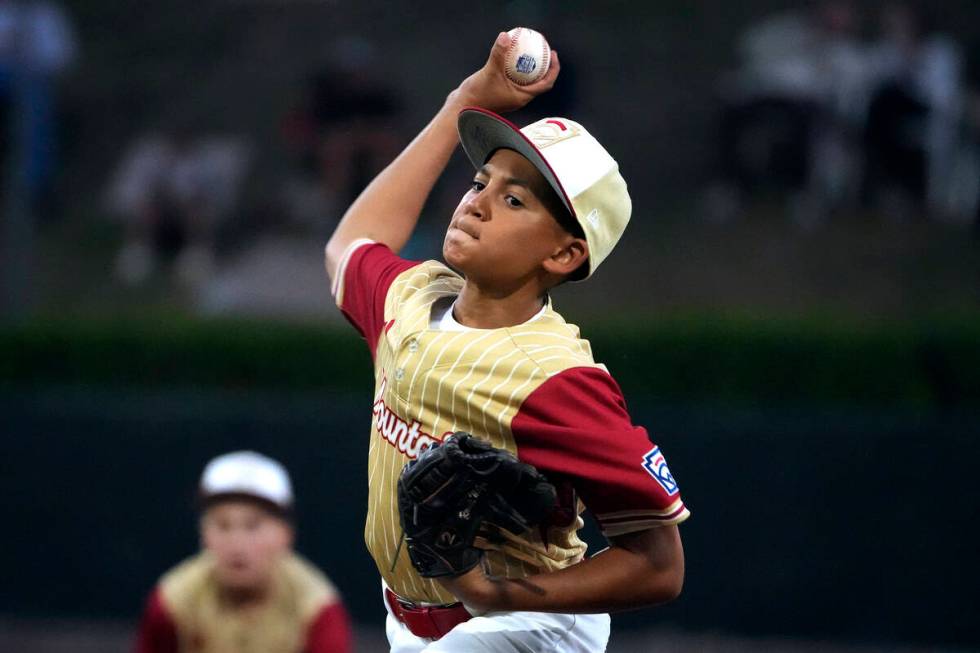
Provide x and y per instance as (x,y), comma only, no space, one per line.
(501,231)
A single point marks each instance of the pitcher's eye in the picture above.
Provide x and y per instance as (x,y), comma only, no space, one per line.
(477,185)
(513,201)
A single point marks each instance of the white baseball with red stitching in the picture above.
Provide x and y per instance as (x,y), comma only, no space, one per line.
(528,56)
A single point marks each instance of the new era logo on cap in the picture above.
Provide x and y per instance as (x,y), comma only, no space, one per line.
(593,218)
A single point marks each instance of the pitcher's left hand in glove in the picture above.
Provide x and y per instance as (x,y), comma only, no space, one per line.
(455,486)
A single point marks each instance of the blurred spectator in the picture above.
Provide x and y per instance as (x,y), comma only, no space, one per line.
(248,590)
(790,110)
(37,44)
(914,114)
(173,190)
(343,132)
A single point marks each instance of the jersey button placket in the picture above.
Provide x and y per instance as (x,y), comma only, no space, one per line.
(410,345)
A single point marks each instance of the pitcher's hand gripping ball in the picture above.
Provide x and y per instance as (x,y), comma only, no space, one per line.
(528,56)
(454,487)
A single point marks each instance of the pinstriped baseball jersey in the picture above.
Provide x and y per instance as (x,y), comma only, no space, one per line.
(532,389)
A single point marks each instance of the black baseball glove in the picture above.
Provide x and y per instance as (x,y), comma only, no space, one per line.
(454,487)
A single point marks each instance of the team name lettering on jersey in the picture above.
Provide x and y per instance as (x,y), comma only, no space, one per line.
(408,438)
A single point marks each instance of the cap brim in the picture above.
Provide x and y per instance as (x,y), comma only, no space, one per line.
(481,132)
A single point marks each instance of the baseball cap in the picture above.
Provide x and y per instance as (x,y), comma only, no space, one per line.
(581,171)
(247,474)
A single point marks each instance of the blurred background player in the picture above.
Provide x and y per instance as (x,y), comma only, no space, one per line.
(247,590)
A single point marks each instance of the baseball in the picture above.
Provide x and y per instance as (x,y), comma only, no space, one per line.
(528,56)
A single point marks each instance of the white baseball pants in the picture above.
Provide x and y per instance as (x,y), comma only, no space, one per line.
(509,632)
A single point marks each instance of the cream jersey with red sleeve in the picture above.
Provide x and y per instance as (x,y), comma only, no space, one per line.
(532,389)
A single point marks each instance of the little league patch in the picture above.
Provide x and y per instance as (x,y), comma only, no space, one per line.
(656,465)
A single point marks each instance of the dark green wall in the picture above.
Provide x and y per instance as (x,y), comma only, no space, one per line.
(929,364)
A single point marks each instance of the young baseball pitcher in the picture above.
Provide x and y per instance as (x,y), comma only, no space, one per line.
(474,345)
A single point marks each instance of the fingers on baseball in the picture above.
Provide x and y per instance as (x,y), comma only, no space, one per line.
(552,75)
(498,53)
(498,60)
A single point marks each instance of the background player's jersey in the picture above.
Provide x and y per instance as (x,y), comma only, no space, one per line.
(186,613)
(532,389)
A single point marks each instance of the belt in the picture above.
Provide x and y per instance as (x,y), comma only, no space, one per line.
(431,622)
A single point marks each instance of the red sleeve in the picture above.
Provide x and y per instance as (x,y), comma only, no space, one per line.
(330,632)
(575,426)
(157,630)
(364,276)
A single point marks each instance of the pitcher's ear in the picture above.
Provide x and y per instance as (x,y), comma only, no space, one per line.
(569,258)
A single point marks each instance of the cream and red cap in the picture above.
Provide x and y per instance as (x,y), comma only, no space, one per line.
(247,474)
(581,171)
